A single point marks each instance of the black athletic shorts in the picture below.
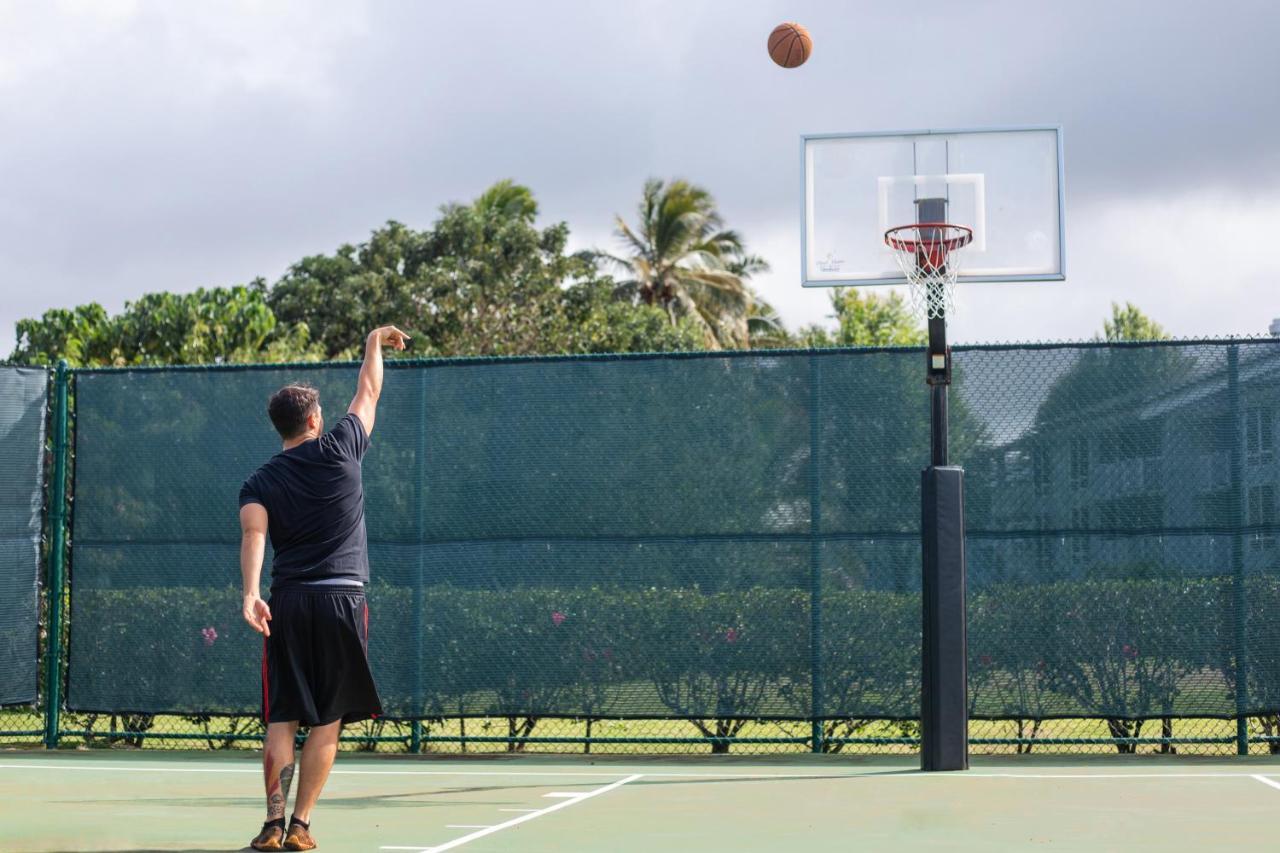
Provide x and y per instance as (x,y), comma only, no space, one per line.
(315,664)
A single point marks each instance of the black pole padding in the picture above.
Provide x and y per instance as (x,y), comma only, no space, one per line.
(939,437)
(944,709)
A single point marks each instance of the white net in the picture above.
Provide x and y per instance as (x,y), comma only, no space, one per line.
(928,257)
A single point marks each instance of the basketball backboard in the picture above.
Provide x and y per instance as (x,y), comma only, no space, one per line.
(1005,184)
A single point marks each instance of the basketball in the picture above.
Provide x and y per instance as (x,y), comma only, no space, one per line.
(790,45)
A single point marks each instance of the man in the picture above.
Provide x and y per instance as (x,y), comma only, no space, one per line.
(315,669)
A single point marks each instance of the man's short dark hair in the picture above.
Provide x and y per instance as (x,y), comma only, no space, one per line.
(289,407)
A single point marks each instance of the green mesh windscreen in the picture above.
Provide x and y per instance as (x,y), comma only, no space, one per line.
(23,399)
(714,536)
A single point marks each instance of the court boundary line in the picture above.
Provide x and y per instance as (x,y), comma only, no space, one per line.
(1262,777)
(525,818)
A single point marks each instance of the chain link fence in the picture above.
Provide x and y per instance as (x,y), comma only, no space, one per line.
(621,555)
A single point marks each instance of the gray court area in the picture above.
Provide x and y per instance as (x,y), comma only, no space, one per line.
(196,802)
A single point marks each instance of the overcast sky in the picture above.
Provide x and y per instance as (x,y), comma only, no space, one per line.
(169,145)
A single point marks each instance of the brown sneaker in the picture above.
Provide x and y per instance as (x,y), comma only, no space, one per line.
(271,837)
(299,837)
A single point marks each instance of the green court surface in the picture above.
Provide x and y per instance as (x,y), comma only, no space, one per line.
(197,802)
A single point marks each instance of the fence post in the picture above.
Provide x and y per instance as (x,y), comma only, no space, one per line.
(815,558)
(415,727)
(57,540)
(1236,505)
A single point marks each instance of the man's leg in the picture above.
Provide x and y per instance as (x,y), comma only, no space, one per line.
(317,760)
(278,766)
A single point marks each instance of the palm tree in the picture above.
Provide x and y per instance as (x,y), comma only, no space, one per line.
(681,257)
(764,326)
(509,200)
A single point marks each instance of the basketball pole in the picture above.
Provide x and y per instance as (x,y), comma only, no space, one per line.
(944,709)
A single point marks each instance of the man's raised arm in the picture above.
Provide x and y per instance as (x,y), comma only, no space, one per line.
(369,386)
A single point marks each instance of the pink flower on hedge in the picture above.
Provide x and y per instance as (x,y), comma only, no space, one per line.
(985,660)
(1131,652)
(731,636)
(557,617)
(210,634)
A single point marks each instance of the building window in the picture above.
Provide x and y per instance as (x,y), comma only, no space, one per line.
(1136,440)
(1259,435)
(1262,511)
(1080,541)
(1041,470)
(1080,462)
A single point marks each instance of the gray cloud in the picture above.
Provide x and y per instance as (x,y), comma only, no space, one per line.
(164,146)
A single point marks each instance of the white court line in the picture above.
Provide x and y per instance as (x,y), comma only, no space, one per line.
(1264,780)
(257,770)
(834,773)
(516,821)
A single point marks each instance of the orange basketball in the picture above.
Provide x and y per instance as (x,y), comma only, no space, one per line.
(790,45)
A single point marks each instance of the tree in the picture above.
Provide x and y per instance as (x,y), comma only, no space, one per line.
(764,326)
(598,323)
(482,280)
(341,297)
(681,257)
(217,325)
(866,319)
(1130,324)
(1107,381)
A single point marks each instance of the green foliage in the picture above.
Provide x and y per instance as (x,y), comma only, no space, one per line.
(680,257)
(483,280)
(218,325)
(1263,647)
(1130,324)
(341,297)
(1123,649)
(765,329)
(866,319)
(597,322)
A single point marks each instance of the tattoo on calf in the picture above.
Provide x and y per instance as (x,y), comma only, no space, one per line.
(275,806)
(278,790)
(286,779)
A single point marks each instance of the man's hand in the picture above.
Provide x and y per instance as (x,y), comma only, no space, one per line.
(257,614)
(390,336)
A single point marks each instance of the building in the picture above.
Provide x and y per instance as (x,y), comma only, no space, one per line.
(1128,469)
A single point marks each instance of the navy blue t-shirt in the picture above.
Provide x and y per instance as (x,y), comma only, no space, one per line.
(315,508)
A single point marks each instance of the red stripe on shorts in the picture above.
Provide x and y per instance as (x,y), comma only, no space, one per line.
(366,639)
(266,698)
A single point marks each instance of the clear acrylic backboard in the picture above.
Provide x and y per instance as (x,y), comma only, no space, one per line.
(1005,184)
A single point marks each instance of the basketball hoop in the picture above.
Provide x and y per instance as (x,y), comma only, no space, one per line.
(925,254)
